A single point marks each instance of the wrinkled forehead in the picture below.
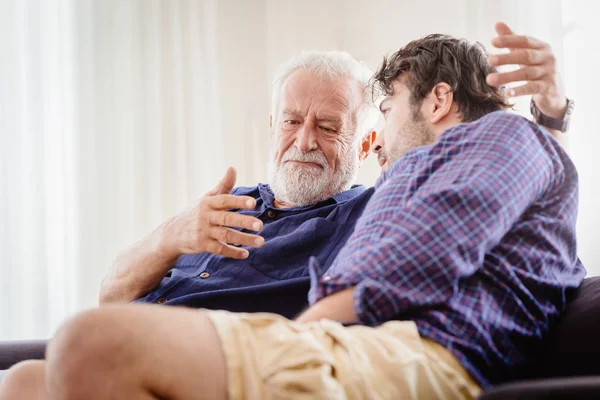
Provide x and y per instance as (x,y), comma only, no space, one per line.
(307,93)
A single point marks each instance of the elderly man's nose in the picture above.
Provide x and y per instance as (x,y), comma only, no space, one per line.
(306,139)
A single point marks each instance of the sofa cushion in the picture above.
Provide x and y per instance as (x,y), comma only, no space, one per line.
(580,388)
(14,352)
(573,348)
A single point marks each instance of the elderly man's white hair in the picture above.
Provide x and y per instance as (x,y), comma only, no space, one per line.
(330,65)
(301,187)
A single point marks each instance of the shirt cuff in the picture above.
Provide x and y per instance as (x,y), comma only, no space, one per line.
(323,285)
(374,304)
(316,291)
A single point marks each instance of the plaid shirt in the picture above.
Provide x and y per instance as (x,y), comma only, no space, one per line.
(473,238)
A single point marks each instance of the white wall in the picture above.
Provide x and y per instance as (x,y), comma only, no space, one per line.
(582,63)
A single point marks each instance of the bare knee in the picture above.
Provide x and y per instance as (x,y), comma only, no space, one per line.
(86,347)
(113,351)
(80,338)
(24,381)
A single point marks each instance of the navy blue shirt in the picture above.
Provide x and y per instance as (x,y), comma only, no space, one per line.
(275,277)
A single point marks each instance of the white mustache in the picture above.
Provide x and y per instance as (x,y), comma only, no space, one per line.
(316,156)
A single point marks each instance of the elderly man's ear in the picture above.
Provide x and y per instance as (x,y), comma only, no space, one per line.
(365,145)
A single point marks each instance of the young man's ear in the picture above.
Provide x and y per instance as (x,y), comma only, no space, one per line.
(441,102)
(365,145)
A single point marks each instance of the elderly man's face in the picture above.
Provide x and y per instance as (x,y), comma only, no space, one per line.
(315,152)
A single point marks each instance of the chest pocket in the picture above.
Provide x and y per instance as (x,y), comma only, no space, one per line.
(286,255)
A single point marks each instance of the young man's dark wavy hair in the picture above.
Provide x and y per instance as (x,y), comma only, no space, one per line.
(436,58)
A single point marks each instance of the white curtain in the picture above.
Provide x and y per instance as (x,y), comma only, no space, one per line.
(115,114)
(38,168)
(581,52)
(111,121)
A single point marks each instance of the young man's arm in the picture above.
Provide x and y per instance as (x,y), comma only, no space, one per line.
(425,230)
(337,307)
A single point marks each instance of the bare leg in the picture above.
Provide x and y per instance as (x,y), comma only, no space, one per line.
(24,381)
(136,352)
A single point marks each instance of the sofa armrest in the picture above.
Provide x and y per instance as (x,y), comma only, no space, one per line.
(547,389)
(14,352)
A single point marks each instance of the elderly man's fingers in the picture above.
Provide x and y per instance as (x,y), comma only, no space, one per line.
(520,57)
(226,184)
(530,88)
(235,220)
(518,42)
(230,201)
(225,250)
(503,29)
(532,73)
(230,236)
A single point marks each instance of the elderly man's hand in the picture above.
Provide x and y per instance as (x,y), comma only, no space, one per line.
(537,68)
(206,227)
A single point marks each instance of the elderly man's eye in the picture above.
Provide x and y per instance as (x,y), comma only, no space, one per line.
(291,122)
(328,130)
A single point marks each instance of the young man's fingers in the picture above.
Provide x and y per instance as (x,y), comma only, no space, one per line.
(519,57)
(531,73)
(518,42)
(530,88)
(503,29)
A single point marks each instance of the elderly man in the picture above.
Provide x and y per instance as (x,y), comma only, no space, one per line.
(322,130)
(439,252)
(209,256)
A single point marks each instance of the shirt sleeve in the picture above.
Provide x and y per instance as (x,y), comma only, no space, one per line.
(425,230)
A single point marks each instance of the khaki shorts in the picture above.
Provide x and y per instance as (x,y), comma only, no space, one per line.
(270,357)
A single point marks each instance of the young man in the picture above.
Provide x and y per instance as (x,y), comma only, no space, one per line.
(309,206)
(450,281)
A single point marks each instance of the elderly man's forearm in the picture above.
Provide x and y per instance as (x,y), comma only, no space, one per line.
(136,272)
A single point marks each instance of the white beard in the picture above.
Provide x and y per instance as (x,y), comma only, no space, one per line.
(307,185)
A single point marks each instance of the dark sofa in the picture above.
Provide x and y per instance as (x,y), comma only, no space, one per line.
(570,365)
(568,369)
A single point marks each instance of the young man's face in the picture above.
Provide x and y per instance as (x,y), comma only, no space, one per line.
(405,126)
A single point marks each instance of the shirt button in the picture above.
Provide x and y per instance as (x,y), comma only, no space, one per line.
(204,275)
(162,300)
(271,214)
(326,278)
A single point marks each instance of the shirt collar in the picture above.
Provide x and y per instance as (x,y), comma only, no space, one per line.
(266,194)
(349,194)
